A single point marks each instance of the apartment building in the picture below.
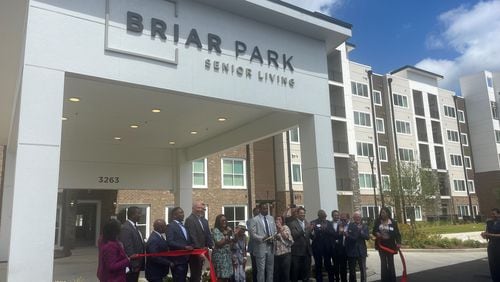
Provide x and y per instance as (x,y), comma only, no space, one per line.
(482,94)
(414,121)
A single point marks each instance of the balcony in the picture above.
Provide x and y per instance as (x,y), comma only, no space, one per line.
(340,147)
(344,184)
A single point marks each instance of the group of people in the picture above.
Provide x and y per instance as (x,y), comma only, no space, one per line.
(123,253)
(337,246)
(280,248)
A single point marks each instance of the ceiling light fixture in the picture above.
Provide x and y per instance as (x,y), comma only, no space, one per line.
(171,142)
(156,110)
(134,126)
(221,119)
(74,99)
(64,118)
(117,138)
(193,132)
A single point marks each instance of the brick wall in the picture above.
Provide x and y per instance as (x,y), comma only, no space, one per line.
(214,196)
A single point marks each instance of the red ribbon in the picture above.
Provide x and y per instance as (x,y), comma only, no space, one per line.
(177,253)
(404,277)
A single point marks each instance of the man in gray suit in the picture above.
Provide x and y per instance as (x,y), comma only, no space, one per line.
(262,230)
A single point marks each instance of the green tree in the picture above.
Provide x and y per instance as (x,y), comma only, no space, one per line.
(410,186)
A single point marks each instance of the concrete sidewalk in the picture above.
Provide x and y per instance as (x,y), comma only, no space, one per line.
(476,235)
(422,265)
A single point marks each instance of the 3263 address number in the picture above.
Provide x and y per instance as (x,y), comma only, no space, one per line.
(108,179)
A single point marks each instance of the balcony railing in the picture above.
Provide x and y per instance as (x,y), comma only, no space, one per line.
(340,147)
(337,110)
(344,184)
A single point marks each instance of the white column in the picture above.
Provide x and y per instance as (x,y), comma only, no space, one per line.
(318,172)
(36,175)
(184,183)
(7,207)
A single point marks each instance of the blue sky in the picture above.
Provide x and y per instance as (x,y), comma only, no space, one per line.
(449,37)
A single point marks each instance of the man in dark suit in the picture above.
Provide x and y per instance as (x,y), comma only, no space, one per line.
(322,238)
(301,248)
(178,239)
(199,231)
(339,256)
(355,245)
(157,267)
(133,242)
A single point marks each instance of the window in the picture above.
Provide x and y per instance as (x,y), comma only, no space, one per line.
(456,160)
(365,180)
(386,183)
(359,89)
(470,184)
(497,136)
(200,173)
(463,210)
(362,119)
(403,127)
(369,211)
(294,135)
(379,122)
(143,223)
(461,116)
(417,211)
(296,173)
(465,140)
(459,185)
(382,153)
(377,98)
(235,215)
(433,105)
(233,173)
(475,210)
(400,100)
(406,155)
(467,162)
(494,111)
(57,239)
(364,149)
(452,135)
(489,82)
(449,111)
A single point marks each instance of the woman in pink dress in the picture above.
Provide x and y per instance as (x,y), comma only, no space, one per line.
(112,258)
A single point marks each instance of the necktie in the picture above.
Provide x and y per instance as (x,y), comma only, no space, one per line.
(183,230)
(267,226)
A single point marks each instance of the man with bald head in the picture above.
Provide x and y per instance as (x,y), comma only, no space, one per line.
(199,231)
(157,267)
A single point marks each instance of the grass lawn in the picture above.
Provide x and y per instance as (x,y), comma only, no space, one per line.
(440,228)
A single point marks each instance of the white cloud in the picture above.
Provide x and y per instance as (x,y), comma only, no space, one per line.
(322,6)
(474,33)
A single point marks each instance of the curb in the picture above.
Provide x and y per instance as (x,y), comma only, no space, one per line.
(441,250)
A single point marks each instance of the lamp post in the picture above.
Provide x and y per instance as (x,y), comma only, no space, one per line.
(374,184)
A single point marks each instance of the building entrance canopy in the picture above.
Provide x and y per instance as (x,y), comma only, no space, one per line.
(259,64)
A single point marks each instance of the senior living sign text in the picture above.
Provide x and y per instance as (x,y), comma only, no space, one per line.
(270,66)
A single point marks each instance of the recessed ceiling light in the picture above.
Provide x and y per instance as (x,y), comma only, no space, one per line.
(64,118)
(171,142)
(156,110)
(221,119)
(193,132)
(117,138)
(134,126)
(74,99)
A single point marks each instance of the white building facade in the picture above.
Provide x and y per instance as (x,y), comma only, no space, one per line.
(126,94)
